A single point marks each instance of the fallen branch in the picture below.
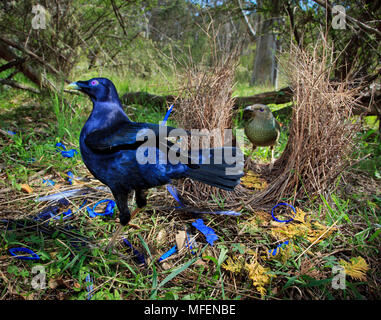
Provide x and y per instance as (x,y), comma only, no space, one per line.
(17,85)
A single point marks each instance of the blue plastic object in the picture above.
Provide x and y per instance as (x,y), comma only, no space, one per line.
(278,246)
(168,253)
(108,211)
(139,257)
(90,287)
(173,191)
(48,182)
(282,204)
(71,177)
(206,231)
(33,256)
(167,115)
(65,153)
(174,249)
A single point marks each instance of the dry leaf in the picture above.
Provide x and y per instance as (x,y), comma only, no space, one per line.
(57,282)
(166,266)
(201,263)
(161,236)
(180,239)
(26,188)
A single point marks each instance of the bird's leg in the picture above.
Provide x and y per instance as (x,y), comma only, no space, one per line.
(272,158)
(248,159)
(124,215)
(141,201)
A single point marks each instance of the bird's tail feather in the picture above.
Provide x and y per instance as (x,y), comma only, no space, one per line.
(218,167)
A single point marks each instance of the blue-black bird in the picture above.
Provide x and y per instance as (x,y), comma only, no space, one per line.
(112,148)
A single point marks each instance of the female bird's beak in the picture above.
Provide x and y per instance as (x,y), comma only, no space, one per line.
(73,86)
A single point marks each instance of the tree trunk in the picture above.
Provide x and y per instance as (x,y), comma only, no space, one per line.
(265,64)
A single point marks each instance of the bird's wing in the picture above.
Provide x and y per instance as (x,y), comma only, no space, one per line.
(125,134)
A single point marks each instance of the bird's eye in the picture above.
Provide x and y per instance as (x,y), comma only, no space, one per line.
(94,82)
(261,109)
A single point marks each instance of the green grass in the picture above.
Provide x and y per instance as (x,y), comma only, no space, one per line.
(41,122)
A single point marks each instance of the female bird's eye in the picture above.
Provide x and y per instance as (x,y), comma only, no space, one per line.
(261,109)
(94,82)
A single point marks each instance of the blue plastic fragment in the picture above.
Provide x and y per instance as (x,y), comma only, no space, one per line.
(108,211)
(70,193)
(71,177)
(190,244)
(11,132)
(167,115)
(168,253)
(69,154)
(173,191)
(65,153)
(174,249)
(33,256)
(48,182)
(139,257)
(65,215)
(278,246)
(51,212)
(90,287)
(207,231)
(47,213)
(282,204)
(60,145)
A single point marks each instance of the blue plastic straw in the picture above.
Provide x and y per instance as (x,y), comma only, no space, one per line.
(33,256)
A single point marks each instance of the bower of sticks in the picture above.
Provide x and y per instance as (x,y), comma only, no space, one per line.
(321,132)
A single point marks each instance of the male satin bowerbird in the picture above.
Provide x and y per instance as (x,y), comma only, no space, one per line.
(261,127)
(115,150)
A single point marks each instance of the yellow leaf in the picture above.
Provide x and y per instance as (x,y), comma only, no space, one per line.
(259,275)
(253,181)
(356,268)
(299,227)
(234,265)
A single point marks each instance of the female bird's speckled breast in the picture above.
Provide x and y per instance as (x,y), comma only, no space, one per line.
(261,133)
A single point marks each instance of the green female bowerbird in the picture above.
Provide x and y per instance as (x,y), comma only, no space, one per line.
(261,127)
